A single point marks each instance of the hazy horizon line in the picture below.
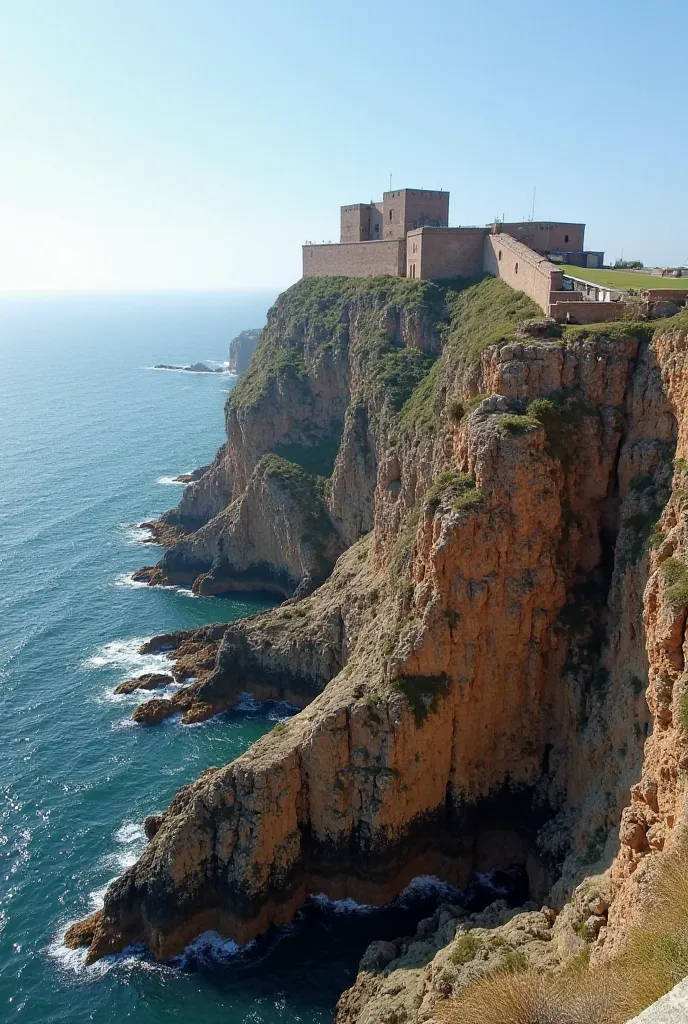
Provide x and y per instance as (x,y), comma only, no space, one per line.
(67,292)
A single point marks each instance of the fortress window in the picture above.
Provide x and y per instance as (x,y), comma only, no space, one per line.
(390,214)
(500,255)
(566,238)
(516,269)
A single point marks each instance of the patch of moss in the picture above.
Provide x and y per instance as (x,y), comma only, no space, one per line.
(683,710)
(675,575)
(422,692)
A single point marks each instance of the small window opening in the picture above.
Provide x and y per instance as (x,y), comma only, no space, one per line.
(390,214)
(566,238)
(516,269)
(500,255)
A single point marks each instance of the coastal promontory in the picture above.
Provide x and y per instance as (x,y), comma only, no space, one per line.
(475,522)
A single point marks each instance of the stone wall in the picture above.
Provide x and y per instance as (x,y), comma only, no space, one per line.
(586,312)
(522,268)
(547,236)
(361,222)
(409,208)
(678,295)
(443,253)
(356,259)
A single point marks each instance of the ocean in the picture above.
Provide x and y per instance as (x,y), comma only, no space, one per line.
(91,436)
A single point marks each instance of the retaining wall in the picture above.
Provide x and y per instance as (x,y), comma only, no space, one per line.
(586,312)
(522,268)
(355,259)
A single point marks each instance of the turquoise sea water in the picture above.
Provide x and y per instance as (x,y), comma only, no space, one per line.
(88,434)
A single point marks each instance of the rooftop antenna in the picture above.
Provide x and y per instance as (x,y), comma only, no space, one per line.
(532,214)
(390,183)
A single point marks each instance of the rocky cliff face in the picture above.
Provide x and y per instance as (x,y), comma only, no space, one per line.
(473,670)
(241,350)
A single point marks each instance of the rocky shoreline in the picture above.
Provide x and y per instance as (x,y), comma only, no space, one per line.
(480,542)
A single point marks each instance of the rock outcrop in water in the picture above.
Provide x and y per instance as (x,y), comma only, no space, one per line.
(486,544)
(191,368)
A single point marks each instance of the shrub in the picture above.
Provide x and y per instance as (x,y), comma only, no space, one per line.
(675,575)
(515,961)
(455,410)
(447,484)
(465,949)
(470,499)
(528,997)
(517,424)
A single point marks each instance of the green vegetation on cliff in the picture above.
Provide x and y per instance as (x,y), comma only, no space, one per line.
(316,458)
(479,313)
(308,491)
(316,318)
(675,575)
(311,319)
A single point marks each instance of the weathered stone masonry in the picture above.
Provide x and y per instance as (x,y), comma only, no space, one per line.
(408,235)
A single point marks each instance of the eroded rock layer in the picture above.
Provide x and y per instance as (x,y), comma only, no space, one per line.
(473,670)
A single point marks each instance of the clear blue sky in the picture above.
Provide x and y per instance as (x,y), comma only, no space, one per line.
(198,143)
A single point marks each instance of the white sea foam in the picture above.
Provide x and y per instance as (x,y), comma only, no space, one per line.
(247,702)
(170,481)
(136,534)
(96,898)
(124,654)
(124,579)
(130,832)
(210,946)
(422,885)
(131,840)
(72,960)
(347,906)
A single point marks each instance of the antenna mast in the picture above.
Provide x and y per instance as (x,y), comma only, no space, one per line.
(532,214)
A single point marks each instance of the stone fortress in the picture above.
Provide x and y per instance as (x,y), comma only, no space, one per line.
(408,235)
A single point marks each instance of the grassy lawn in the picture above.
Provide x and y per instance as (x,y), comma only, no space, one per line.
(623,279)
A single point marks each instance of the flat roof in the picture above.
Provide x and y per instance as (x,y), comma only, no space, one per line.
(623,280)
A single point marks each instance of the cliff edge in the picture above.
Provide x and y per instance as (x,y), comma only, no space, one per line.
(478,522)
